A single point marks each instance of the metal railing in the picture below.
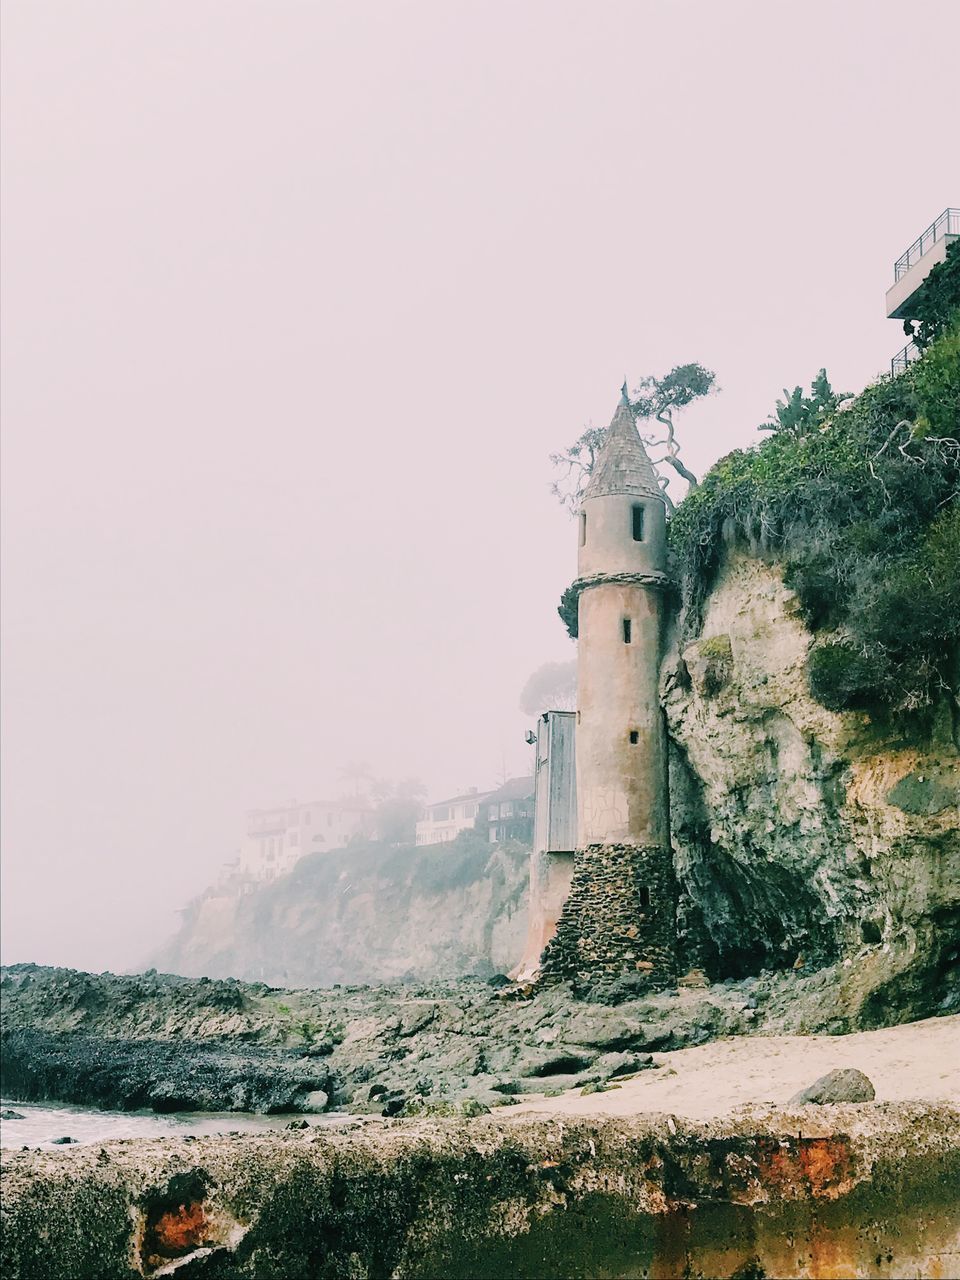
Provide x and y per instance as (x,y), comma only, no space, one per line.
(907,356)
(948,224)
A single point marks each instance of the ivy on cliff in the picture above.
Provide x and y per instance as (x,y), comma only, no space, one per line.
(865,515)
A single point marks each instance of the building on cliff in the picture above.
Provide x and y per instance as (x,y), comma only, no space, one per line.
(447,818)
(276,839)
(911,270)
(507,813)
(619,915)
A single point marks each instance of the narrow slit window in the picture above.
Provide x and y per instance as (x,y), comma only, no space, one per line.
(583,528)
(644,896)
(634,737)
(627,630)
(637,523)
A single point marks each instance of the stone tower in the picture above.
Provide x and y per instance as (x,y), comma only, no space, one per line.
(620,916)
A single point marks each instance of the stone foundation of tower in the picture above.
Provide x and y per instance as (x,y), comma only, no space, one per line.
(620,918)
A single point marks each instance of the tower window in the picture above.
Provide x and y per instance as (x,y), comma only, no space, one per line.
(583,528)
(644,896)
(634,737)
(637,523)
(627,629)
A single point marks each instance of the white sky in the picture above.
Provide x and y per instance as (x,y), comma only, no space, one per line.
(299,297)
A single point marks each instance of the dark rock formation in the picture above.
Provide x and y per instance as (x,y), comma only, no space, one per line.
(169,1043)
(163,1075)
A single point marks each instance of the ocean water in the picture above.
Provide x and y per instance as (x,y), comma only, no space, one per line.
(41,1124)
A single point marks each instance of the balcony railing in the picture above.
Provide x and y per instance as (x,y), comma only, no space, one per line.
(948,224)
(907,356)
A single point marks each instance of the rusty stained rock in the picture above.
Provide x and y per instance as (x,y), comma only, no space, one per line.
(786,1193)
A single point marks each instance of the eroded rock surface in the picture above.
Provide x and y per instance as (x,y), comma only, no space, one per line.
(368,913)
(807,839)
(865,1191)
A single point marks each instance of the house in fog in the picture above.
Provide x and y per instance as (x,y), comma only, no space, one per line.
(276,839)
(507,813)
(447,818)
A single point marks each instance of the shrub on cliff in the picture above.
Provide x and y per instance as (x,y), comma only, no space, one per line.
(840,676)
(937,382)
(864,513)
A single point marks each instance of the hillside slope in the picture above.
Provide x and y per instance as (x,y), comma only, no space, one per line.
(366,914)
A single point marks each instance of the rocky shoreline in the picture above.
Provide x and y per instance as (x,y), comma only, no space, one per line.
(167,1043)
(437,1171)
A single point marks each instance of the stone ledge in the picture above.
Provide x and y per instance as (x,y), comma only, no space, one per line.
(861,1190)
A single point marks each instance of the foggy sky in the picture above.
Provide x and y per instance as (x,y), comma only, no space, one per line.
(298,297)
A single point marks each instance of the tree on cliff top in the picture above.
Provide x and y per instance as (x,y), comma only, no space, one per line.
(798,414)
(865,517)
(552,687)
(397,809)
(654,398)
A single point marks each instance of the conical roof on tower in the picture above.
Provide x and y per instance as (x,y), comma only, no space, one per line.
(622,466)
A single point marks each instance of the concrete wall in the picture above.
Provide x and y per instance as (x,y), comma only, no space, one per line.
(865,1190)
(609,545)
(550,878)
(900,294)
(621,784)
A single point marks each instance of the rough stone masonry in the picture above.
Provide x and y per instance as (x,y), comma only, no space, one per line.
(620,917)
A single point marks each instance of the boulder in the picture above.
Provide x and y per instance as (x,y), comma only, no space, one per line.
(844,1085)
(604,1031)
(611,1065)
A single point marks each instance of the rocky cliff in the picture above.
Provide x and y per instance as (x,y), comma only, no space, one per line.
(807,839)
(366,914)
(821,844)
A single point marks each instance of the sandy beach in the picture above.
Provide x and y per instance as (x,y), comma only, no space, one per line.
(917,1061)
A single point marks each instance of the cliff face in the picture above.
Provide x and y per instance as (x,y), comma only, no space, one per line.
(807,838)
(365,914)
(809,841)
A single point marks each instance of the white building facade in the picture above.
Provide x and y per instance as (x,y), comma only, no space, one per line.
(442,821)
(276,839)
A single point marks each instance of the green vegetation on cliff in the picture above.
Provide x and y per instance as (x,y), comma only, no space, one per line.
(864,513)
